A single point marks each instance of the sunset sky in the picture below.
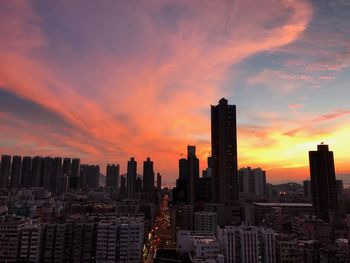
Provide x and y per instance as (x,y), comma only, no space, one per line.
(107,80)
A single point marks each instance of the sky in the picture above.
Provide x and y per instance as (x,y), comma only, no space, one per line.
(107,80)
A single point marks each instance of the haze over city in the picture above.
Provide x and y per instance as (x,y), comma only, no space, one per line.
(106,80)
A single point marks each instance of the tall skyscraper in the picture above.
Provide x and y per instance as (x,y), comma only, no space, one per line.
(224,156)
(67,166)
(188,177)
(46,172)
(56,174)
(5,168)
(192,173)
(123,186)
(73,180)
(36,171)
(131,178)
(16,171)
(148,177)
(112,176)
(26,180)
(90,175)
(323,183)
(159,182)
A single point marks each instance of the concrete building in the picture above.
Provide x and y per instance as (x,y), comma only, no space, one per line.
(5,168)
(247,244)
(120,240)
(252,181)
(323,182)
(286,249)
(31,243)
(131,178)
(205,221)
(10,230)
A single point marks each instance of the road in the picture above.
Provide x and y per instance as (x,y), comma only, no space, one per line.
(160,234)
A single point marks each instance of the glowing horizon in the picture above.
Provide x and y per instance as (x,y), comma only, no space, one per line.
(104,81)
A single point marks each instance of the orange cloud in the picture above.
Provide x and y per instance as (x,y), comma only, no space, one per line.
(134,83)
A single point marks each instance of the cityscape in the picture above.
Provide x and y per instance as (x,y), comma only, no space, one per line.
(55,209)
(165,131)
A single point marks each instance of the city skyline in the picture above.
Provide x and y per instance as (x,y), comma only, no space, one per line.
(116,80)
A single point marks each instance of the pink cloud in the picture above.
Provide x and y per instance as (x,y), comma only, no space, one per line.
(139,104)
(295,106)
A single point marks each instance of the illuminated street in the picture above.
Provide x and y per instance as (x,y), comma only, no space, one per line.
(160,235)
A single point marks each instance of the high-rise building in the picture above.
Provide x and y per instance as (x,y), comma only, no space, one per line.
(16,167)
(10,238)
(84,242)
(57,246)
(56,174)
(75,168)
(123,186)
(112,176)
(67,166)
(186,185)
(36,172)
(192,173)
(46,172)
(73,179)
(205,222)
(224,158)
(5,168)
(159,182)
(323,182)
(120,240)
(247,243)
(90,176)
(307,188)
(131,178)
(31,244)
(252,181)
(26,180)
(148,177)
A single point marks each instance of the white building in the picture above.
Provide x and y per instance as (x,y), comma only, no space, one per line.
(31,241)
(203,247)
(267,245)
(205,221)
(247,244)
(120,240)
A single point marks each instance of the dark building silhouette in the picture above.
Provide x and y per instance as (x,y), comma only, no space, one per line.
(340,186)
(26,172)
(148,178)
(307,188)
(185,191)
(16,167)
(192,174)
(5,168)
(131,178)
(67,166)
(90,175)
(112,176)
(56,174)
(46,172)
(204,190)
(323,182)
(159,182)
(36,171)
(75,168)
(73,180)
(123,186)
(224,157)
